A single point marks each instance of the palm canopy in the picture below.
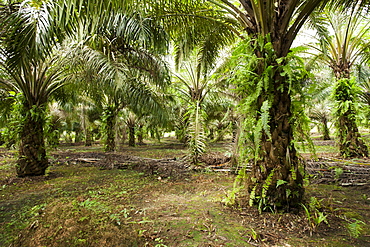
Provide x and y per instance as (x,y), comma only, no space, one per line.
(28,63)
(28,32)
(190,84)
(281,20)
(34,31)
(344,43)
(196,24)
(121,61)
(123,66)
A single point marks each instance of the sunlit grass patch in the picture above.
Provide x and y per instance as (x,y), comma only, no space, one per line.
(82,206)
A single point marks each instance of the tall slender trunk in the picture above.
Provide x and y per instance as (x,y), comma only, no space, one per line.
(123,136)
(140,135)
(275,180)
(110,144)
(131,135)
(325,129)
(32,159)
(86,129)
(88,137)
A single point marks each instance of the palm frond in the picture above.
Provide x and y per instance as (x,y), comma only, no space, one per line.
(196,134)
(144,99)
(194,24)
(30,34)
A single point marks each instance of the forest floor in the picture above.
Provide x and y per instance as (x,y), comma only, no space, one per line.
(145,196)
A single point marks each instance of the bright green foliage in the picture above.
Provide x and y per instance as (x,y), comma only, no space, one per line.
(196,90)
(197,138)
(14,120)
(314,216)
(355,227)
(254,78)
(252,86)
(31,66)
(345,96)
(341,50)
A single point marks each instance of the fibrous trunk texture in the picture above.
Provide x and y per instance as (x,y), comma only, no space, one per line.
(88,138)
(131,136)
(325,130)
(140,135)
(350,143)
(275,181)
(110,144)
(32,159)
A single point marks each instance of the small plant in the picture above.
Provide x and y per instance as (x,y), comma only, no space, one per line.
(159,242)
(314,216)
(253,234)
(141,232)
(354,226)
(364,197)
(338,172)
(230,199)
(115,218)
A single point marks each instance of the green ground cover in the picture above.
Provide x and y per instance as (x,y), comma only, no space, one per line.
(83,205)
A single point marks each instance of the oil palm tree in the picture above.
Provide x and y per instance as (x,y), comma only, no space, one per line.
(124,66)
(319,107)
(276,180)
(118,84)
(32,32)
(192,89)
(30,66)
(272,26)
(197,90)
(341,49)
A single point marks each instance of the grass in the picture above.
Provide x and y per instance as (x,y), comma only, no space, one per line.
(80,207)
(77,205)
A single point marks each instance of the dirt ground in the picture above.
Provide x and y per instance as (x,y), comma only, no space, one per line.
(147,196)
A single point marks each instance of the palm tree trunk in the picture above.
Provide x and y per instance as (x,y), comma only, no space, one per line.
(1,139)
(88,137)
(131,136)
(140,135)
(350,142)
(32,159)
(275,180)
(110,144)
(325,129)
(86,129)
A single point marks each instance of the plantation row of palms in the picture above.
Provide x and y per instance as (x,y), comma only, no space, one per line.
(194,67)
